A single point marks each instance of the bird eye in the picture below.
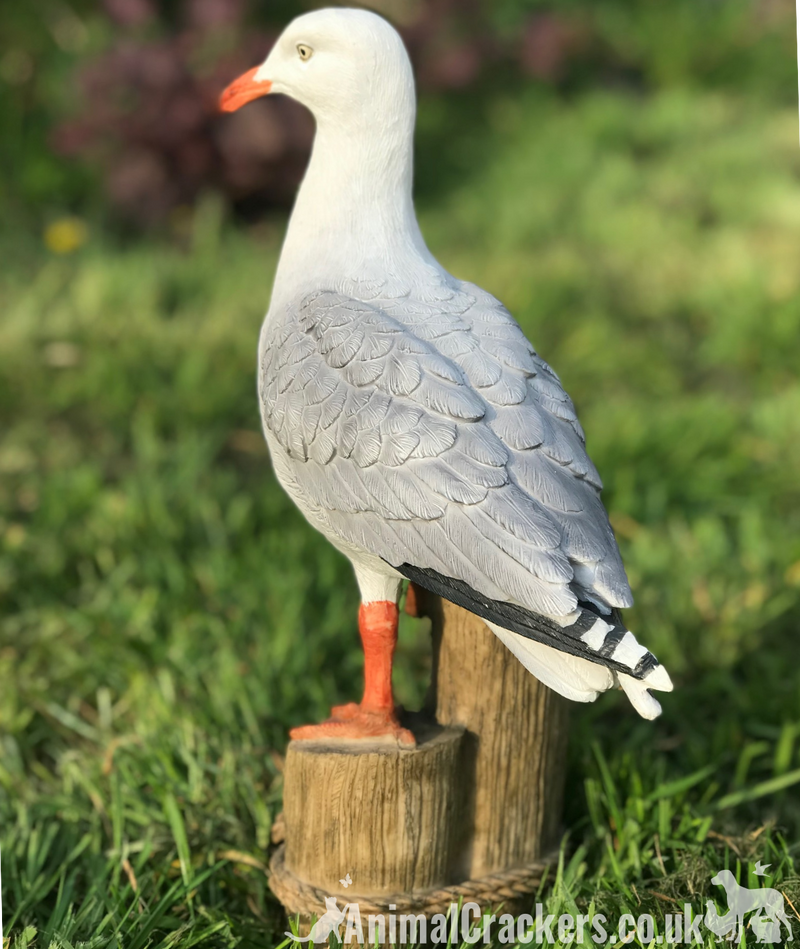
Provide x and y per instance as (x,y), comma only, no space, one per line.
(304,52)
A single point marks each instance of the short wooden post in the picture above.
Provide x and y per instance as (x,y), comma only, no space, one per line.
(391,818)
(474,811)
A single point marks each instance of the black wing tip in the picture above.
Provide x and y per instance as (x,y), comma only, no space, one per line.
(532,625)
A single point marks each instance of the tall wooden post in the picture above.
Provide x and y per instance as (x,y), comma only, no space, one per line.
(515,742)
(473,812)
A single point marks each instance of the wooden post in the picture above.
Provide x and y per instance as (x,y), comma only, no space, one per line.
(469,812)
(391,818)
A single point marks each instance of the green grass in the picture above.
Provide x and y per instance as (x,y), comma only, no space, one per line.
(167,615)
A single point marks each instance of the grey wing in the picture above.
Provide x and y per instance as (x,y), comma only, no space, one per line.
(527,407)
(391,448)
(537,421)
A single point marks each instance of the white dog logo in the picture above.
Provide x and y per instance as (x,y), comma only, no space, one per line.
(325,925)
(767,903)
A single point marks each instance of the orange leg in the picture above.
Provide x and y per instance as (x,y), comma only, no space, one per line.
(375,716)
(412,601)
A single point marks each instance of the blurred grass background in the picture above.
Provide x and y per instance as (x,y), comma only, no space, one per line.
(625,176)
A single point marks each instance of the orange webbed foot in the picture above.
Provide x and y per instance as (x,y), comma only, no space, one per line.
(357,723)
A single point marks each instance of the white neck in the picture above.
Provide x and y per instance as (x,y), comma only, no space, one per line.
(354,214)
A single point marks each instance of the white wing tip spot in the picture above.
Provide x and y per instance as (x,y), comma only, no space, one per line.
(629,651)
(658,678)
(596,636)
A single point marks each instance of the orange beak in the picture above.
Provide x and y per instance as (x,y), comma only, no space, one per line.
(243,90)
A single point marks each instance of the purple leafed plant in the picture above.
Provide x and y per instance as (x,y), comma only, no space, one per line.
(148,120)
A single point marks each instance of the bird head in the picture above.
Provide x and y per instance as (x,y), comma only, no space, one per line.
(347,66)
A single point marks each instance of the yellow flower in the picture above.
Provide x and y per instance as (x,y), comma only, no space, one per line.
(65,235)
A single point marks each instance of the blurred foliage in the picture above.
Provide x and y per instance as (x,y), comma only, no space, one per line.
(624,175)
(110,106)
(167,614)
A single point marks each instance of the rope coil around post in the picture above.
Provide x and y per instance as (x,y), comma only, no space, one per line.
(304,899)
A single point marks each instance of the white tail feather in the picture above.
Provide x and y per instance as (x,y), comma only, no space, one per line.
(574,678)
(640,698)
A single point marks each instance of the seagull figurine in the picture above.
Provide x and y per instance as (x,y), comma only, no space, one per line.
(407,415)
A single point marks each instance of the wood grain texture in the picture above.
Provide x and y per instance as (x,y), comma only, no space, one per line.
(515,746)
(393,819)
